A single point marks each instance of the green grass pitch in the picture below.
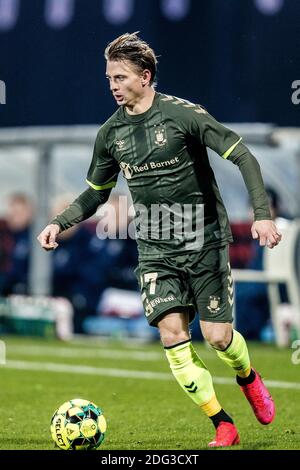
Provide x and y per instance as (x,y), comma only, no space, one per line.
(143,405)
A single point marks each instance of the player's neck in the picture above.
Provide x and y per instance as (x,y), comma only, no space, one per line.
(143,103)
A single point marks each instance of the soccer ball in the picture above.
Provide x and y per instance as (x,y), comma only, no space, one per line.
(78,425)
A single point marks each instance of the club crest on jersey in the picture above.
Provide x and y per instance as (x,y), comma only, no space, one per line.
(120,145)
(214,304)
(160,136)
(126,170)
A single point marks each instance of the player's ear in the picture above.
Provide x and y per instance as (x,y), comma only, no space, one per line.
(145,77)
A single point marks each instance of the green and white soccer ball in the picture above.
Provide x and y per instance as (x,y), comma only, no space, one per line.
(78,425)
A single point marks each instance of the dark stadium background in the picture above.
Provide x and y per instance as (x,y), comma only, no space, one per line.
(226,54)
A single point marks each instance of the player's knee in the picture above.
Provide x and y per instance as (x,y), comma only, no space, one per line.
(173,329)
(171,338)
(219,340)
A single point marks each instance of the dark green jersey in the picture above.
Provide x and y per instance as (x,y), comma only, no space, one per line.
(162,154)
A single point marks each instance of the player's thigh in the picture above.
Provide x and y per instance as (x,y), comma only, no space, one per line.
(212,286)
(163,289)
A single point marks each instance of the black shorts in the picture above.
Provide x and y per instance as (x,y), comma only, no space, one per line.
(194,282)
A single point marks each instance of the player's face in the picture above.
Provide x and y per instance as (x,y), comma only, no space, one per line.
(126,84)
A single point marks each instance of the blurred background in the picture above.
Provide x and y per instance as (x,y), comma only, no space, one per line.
(240,59)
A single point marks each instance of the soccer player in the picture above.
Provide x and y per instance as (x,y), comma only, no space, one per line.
(159,142)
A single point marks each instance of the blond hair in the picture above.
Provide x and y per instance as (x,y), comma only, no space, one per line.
(130,47)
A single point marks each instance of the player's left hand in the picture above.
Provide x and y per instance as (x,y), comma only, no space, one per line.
(266,232)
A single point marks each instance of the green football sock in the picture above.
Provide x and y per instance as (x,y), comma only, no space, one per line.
(192,375)
(236,355)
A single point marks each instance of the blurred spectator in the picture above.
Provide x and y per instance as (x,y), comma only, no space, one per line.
(120,256)
(242,250)
(252,301)
(70,265)
(6,246)
(90,259)
(120,310)
(15,231)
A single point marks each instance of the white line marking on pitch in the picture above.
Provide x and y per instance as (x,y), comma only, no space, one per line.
(89,353)
(136,374)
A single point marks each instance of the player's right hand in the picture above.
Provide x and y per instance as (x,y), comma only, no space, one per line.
(47,237)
